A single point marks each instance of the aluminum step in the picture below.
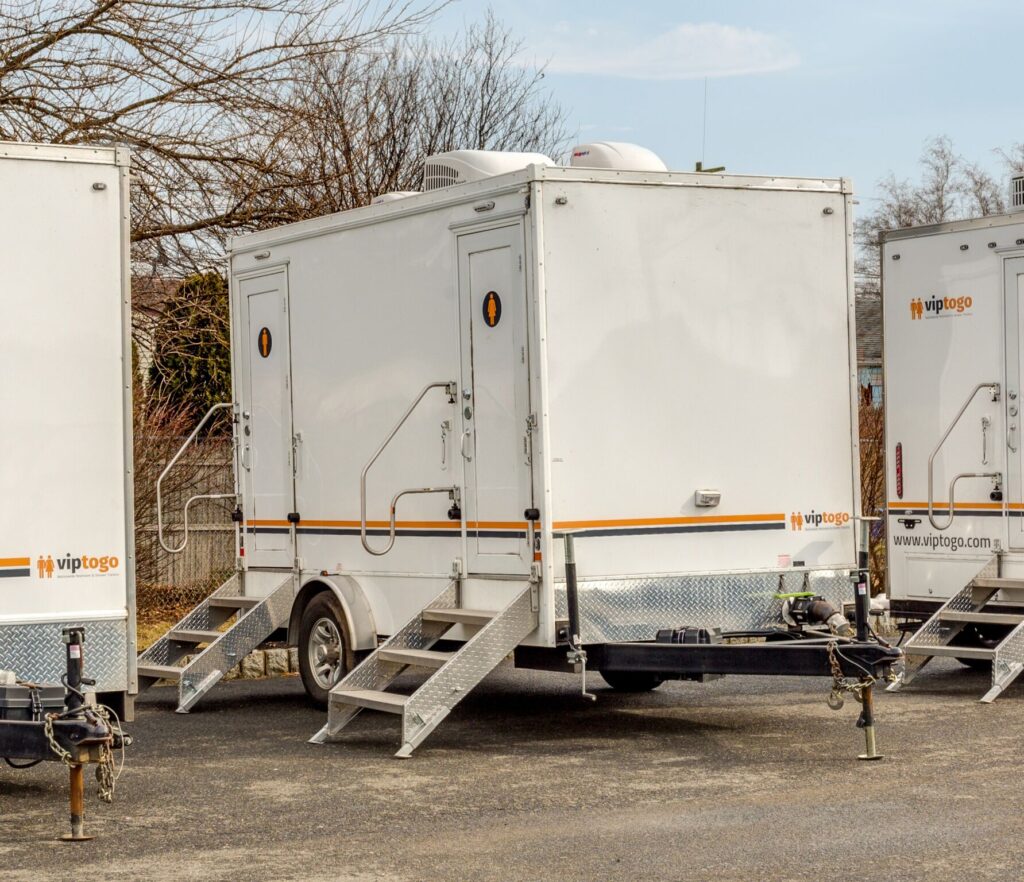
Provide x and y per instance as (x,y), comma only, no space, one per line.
(981,618)
(184,635)
(235,601)
(257,619)
(458,615)
(389,702)
(160,672)
(952,651)
(453,676)
(420,658)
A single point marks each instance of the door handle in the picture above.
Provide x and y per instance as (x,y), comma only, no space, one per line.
(465,436)
(1009,436)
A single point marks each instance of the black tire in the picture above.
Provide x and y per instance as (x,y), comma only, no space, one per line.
(321,620)
(982,638)
(630,681)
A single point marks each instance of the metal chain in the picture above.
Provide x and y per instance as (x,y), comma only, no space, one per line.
(64,755)
(841,683)
(105,777)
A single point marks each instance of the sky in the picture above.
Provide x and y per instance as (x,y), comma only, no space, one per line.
(817,89)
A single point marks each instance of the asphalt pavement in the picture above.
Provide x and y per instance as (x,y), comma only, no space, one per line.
(739,779)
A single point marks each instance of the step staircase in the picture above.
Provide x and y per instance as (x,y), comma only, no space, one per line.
(453,674)
(198,650)
(972,605)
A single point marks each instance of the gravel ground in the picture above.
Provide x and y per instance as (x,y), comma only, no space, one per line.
(740,779)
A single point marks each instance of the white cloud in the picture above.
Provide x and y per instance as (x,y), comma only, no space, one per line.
(686,51)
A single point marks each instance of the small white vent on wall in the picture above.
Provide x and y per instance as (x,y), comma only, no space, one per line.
(1017,193)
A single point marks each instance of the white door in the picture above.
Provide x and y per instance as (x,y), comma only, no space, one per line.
(1014,296)
(267,442)
(495,400)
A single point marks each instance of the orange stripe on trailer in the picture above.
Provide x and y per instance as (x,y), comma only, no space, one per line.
(944,506)
(670,522)
(15,561)
(523,525)
(407,525)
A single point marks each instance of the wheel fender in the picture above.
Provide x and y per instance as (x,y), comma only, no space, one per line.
(359,624)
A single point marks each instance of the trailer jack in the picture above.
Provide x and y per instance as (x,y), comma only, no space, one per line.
(79,735)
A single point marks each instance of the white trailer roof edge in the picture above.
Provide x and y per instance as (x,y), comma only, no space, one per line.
(958,226)
(519,181)
(101,155)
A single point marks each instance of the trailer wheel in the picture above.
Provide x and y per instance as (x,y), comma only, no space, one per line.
(983,638)
(631,681)
(324,654)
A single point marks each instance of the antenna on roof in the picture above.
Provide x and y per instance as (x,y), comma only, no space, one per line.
(699,167)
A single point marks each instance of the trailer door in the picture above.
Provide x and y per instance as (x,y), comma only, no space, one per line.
(495,400)
(1014,297)
(267,420)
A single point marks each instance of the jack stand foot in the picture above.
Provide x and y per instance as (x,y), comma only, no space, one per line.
(867,723)
(77,833)
(871,753)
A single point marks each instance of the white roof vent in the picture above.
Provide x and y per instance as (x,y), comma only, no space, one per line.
(391,197)
(462,166)
(1017,193)
(616,154)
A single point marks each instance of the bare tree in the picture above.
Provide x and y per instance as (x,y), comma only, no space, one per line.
(360,124)
(950,188)
(190,86)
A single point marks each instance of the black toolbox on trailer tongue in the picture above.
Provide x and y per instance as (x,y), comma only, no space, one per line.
(30,702)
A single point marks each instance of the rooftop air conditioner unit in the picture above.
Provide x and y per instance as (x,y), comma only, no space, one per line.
(462,166)
(616,154)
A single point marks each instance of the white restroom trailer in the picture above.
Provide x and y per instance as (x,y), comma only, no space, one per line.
(67,549)
(433,392)
(953,298)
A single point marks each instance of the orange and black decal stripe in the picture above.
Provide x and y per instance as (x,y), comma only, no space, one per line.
(974,509)
(515,529)
(11,567)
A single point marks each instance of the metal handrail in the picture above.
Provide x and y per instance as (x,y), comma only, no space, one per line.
(450,388)
(168,467)
(994,389)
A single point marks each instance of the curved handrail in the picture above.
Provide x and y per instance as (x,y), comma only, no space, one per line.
(450,388)
(994,389)
(159,500)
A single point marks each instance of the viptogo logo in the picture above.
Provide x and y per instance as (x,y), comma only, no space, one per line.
(940,307)
(49,566)
(818,520)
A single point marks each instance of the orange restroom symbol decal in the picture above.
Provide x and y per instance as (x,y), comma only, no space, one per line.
(492,308)
(264,341)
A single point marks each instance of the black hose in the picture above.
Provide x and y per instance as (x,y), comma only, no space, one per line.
(824,612)
(27,765)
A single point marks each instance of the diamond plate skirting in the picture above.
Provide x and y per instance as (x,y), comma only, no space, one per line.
(36,652)
(613,610)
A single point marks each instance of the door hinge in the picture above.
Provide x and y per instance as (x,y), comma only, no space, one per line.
(294,517)
(520,263)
